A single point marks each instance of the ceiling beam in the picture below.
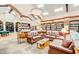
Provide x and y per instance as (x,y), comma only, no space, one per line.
(36,16)
(3,5)
(76,16)
(15,9)
(26,17)
(21,15)
(39,17)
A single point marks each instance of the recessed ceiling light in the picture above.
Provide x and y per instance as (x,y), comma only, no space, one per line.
(45,13)
(58,9)
(40,5)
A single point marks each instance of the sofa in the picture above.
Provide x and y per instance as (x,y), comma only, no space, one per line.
(33,37)
(53,35)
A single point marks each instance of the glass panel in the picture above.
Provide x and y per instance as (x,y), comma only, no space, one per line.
(74,25)
(23,26)
(53,27)
(59,26)
(48,27)
(33,28)
(10,26)
(1,26)
(44,26)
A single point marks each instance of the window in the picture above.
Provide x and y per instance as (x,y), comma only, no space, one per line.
(33,28)
(9,26)
(1,26)
(48,26)
(53,27)
(59,26)
(23,26)
(44,26)
(74,25)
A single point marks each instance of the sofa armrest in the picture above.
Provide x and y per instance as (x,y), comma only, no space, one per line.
(36,37)
(62,49)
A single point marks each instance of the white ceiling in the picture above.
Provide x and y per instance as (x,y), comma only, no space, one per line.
(25,9)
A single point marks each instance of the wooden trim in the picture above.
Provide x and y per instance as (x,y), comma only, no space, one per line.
(21,15)
(12,7)
(25,17)
(33,16)
(61,18)
(15,9)
(37,16)
(74,20)
(3,5)
(60,22)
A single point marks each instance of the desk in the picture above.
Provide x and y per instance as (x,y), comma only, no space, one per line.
(42,43)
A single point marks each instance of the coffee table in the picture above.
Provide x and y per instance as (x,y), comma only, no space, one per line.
(43,43)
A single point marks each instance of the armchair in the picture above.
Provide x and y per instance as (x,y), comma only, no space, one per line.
(59,49)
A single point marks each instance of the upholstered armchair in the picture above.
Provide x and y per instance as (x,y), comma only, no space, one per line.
(57,49)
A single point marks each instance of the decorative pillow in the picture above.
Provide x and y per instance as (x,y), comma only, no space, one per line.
(66,44)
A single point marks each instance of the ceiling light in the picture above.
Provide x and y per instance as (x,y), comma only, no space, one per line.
(40,5)
(45,13)
(58,9)
(36,11)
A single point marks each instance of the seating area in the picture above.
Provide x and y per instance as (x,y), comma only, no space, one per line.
(28,29)
(56,42)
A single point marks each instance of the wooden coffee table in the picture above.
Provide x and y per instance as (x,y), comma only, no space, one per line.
(43,43)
